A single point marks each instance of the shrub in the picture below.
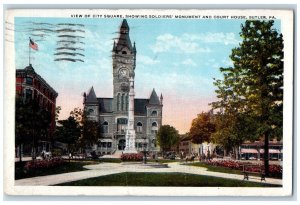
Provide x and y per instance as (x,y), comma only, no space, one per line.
(133,157)
(274,170)
(43,164)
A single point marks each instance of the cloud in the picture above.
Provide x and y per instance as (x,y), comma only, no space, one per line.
(189,62)
(169,42)
(220,37)
(227,62)
(147,60)
(97,41)
(190,43)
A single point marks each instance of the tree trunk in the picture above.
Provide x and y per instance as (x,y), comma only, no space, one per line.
(225,152)
(237,154)
(266,153)
(20,152)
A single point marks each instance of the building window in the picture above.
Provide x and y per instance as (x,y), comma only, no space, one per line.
(139,127)
(154,128)
(29,80)
(28,94)
(90,111)
(126,102)
(109,144)
(124,52)
(154,113)
(122,124)
(105,127)
(122,102)
(118,102)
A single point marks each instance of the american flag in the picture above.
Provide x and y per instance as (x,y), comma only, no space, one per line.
(33,45)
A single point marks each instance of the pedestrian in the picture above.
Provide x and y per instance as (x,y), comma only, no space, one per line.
(43,154)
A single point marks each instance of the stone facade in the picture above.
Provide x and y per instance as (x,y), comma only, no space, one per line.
(112,113)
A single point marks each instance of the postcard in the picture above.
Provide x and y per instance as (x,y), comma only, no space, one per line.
(148,102)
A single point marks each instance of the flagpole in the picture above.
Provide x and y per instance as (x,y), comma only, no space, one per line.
(29,51)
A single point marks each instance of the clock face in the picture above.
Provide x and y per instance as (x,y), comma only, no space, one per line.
(123,72)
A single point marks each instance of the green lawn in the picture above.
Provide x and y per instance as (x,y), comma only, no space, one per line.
(111,160)
(162,160)
(216,168)
(163,179)
(71,166)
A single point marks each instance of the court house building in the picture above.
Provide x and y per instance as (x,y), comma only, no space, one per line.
(112,113)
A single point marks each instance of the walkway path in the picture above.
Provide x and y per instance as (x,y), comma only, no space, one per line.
(103,169)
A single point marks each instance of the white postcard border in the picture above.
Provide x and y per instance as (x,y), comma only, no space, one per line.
(286,17)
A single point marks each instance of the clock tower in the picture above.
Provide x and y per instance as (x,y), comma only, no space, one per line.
(123,58)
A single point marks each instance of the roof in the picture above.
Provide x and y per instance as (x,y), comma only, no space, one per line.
(254,151)
(105,105)
(154,100)
(124,24)
(29,70)
(271,143)
(123,40)
(91,96)
(140,106)
(185,138)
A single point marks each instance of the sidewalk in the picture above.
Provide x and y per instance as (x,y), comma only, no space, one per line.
(115,168)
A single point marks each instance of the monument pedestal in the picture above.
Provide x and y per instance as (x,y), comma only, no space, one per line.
(130,133)
(130,142)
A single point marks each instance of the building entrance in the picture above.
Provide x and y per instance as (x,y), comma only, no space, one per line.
(121,145)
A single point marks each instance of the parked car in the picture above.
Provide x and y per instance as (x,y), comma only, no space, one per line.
(170,155)
(46,155)
(94,155)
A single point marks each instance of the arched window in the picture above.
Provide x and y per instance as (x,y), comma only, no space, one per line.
(118,102)
(28,94)
(121,125)
(154,128)
(124,52)
(90,111)
(29,80)
(105,127)
(122,102)
(126,102)
(139,127)
(154,113)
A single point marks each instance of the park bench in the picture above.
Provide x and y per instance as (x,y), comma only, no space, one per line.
(189,159)
(254,169)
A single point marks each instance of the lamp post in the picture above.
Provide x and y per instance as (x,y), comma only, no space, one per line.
(144,151)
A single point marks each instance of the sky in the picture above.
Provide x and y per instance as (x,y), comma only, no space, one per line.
(177,57)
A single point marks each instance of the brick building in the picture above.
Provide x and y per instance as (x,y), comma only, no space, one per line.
(30,85)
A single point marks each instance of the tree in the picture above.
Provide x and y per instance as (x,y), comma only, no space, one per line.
(233,130)
(90,130)
(57,112)
(254,85)
(167,136)
(22,126)
(69,132)
(202,128)
(32,123)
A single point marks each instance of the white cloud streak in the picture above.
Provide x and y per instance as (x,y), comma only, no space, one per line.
(146,60)
(190,43)
(189,62)
(220,37)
